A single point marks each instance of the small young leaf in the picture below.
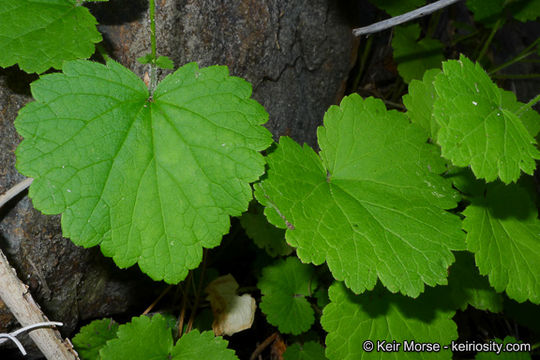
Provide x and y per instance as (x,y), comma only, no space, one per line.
(479,124)
(151,338)
(503,232)
(265,235)
(468,287)
(419,102)
(145,59)
(165,62)
(284,287)
(415,56)
(92,337)
(152,181)
(307,351)
(362,205)
(350,320)
(39,35)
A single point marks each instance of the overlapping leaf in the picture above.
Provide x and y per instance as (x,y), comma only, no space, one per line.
(93,337)
(363,205)
(480,125)
(39,34)
(419,102)
(151,338)
(415,56)
(284,287)
(350,320)
(307,351)
(504,233)
(467,287)
(152,181)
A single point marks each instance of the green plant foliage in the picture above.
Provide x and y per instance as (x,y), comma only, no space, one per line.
(503,232)
(39,34)
(92,337)
(398,7)
(361,205)
(415,56)
(152,181)
(263,234)
(150,338)
(378,315)
(163,62)
(504,355)
(284,287)
(479,125)
(308,351)
(486,12)
(467,287)
(420,99)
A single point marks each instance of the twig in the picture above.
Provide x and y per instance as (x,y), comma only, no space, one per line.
(14,191)
(163,293)
(21,304)
(269,340)
(198,293)
(397,20)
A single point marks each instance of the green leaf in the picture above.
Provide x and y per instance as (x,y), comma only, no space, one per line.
(467,287)
(165,62)
(284,287)
(350,320)
(504,233)
(150,338)
(419,102)
(39,34)
(524,10)
(415,57)
(362,205)
(479,125)
(151,181)
(92,337)
(486,12)
(195,346)
(263,234)
(398,7)
(142,338)
(308,351)
(512,355)
(145,59)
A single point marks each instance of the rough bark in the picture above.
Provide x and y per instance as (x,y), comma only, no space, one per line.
(297,55)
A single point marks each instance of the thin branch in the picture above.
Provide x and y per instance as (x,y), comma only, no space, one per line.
(14,191)
(152,305)
(269,340)
(198,293)
(397,20)
(21,304)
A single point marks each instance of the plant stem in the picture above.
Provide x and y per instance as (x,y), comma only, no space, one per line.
(153,66)
(529,104)
(363,60)
(489,39)
(516,76)
(522,55)
(198,293)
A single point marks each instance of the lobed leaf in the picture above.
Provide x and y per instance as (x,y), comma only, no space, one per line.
(415,57)
(504,234)
(361,205)
(480,125)
(92,337)
(284,287)
(39,34)
(152,181)
(351,319)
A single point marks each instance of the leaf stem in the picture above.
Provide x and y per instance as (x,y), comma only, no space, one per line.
(522,55)
(489,39)
(198,293)
(529,104)
(153,65)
